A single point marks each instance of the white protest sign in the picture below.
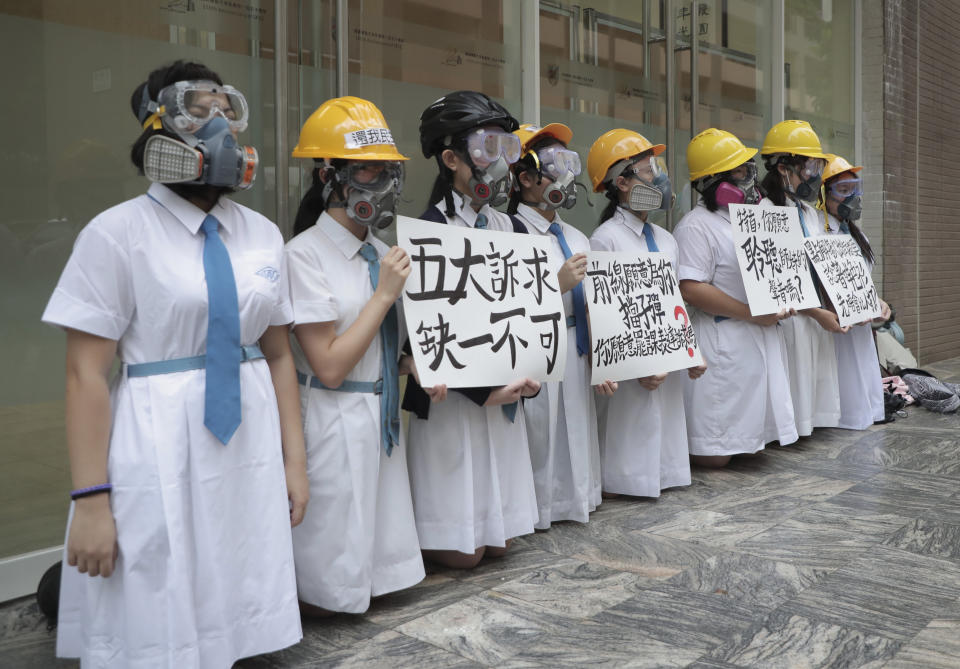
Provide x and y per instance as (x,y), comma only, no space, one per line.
(773,264)
(845,276)
(638,324)
(482,307)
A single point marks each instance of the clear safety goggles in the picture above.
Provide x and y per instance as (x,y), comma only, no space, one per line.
(187,106)
(485,146)
(813,167)
(647,169)
(556,161)
(745,174)
(375,176)
(844,188)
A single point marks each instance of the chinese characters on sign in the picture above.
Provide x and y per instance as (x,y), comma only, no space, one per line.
(845,276)
(482,307)
(773,264)
(638,323)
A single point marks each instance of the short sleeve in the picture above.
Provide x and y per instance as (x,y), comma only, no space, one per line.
(310,294)
(600,242)
(283,309)
(697,261)
(95,293)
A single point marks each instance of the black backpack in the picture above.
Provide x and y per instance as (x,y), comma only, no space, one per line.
(48,594)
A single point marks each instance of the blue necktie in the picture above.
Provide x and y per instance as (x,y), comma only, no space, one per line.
(221,412)
(509,410)
(648,238)
(389,335)
(803,225)
(579,302)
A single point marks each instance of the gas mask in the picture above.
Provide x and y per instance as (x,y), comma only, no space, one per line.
(850,209)
(374,191)
(561,166)
(742,190)
(810,179)
(560,193)
(848,191)
(204,116)
(492,184)
(654,190)
(490,152)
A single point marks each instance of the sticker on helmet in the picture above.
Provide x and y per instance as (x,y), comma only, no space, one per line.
(371,136)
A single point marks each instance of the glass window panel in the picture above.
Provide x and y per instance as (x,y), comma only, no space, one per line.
(71,69)
(734,77)
(404,54)
(600,70)
(819,70)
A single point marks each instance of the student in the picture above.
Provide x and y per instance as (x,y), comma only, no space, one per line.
(361,539)
(794,161)
(643,432)
(469,460)
(189,465)
(742,402)
(861,390)
(562,420)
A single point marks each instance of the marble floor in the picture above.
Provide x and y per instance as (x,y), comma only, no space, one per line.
(840,551)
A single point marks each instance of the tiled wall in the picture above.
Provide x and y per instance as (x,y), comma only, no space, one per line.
(921,272)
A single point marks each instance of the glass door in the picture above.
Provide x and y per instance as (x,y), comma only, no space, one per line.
(602,66)
(729,82)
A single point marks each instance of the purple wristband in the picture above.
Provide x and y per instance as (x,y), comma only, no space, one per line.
(92,490)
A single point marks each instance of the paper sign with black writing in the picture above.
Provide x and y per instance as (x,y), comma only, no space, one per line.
(773,264)
(845,276)
(483,307)
(638,323)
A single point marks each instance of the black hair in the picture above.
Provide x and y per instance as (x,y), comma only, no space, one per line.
(314,203)
(443,184)
(612,193)
(528,163)
(861,241)
(157,80)
(709,194)
(772,185)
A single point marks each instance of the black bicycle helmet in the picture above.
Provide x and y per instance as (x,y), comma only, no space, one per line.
(456,112)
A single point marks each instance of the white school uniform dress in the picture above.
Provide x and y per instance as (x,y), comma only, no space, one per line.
(643,433)
(359,538)
(812,358)
(562,419)
(205,569)
(858,370)
(743,399)
(469,465)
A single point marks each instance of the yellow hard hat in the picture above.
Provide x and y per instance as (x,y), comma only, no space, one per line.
(347,127)
(612,147)
(837,165)
(796,137)
(714,151)
(530,133)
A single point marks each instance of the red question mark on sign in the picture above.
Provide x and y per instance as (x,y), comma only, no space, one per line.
(680,311)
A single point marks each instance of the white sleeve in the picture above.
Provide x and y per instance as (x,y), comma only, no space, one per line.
(600,243)
(310,294)
(283,309)
(95,293)
(697,260)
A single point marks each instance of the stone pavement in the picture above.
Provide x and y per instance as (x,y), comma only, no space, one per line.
(840,551)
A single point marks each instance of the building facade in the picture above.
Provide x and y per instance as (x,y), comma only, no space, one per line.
(874,77)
